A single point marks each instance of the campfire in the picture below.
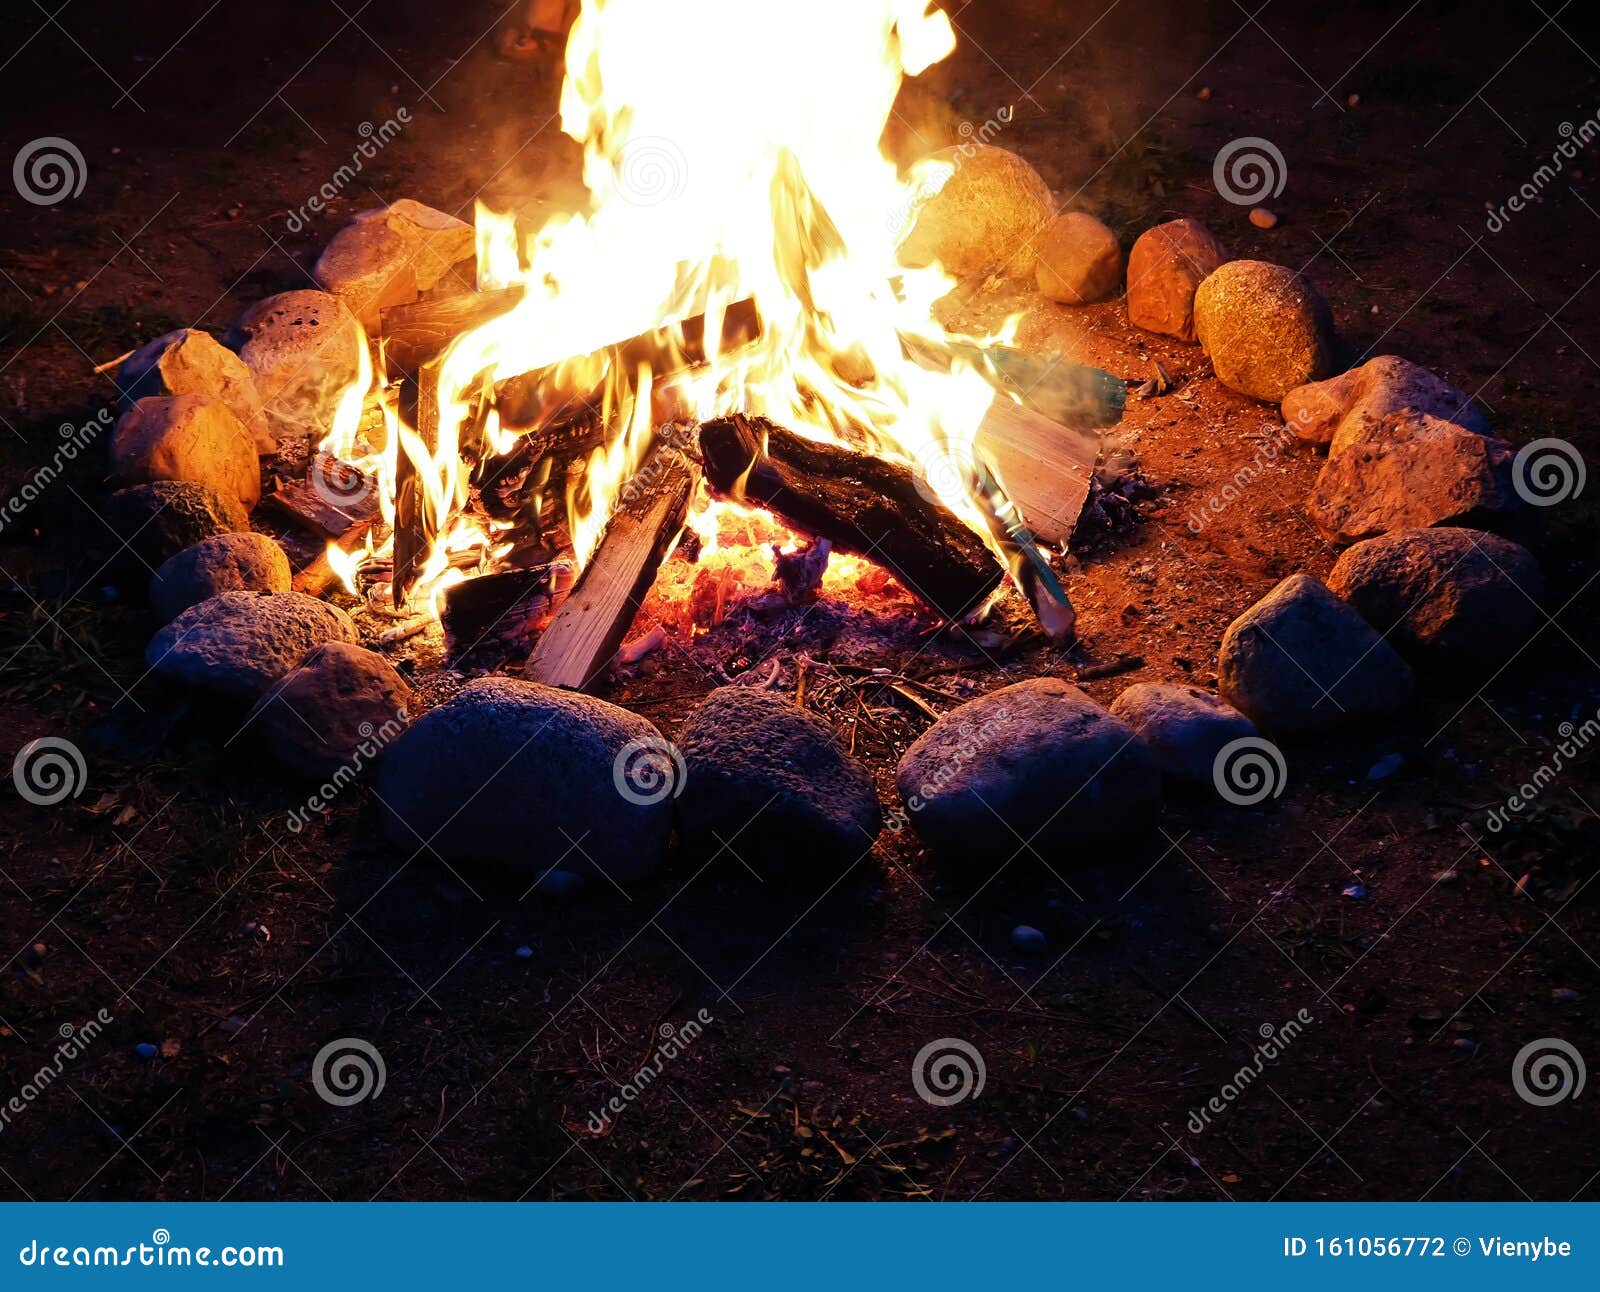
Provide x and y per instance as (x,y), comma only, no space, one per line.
(722,356)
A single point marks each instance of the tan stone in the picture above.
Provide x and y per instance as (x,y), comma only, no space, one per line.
(391,256)
(1079,260)
(191,362)
(987,209)
(244,562)
(1346,408)
(305,350)
(1411,471)
(1165,267)
(1265,329)
(187,437)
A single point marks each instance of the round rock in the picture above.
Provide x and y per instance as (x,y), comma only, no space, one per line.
(1454,599)
(160,519)
(1079,260)
(1265,329)
(305,351)
(527,777)
(1165,267)
(244,562)
(988,206)
(239,643)
(1037,760)
(1185,727)
(1347,408)
(187,437)
(775,783)
(192,362)
(1301,662)
(339,708)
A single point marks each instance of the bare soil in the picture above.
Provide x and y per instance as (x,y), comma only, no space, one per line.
(1427,950)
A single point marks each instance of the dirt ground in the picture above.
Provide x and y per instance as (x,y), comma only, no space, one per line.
(1426,951)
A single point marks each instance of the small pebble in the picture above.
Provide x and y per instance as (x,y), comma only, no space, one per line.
(523,953)
(1356,892)
(1564,995)
(1027,938)
(1263,218)
(558,883)
(1463,1044)
(145,1050)
(1203,93)
(1354,101)
(1446,876)
(1385,767)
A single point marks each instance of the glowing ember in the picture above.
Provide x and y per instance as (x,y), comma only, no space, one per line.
(731,153)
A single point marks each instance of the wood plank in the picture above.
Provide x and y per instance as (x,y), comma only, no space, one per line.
(1044,467)
(415,333)
(333,497)
(582,640)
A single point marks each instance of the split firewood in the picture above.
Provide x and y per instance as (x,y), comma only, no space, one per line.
(422,330)
(582,640)
(333,497)
(505,605)
(865,505)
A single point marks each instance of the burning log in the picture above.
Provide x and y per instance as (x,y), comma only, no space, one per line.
(333,498)
(865,505)
(507,604)
(582,639)
(1044,467)
(413,334)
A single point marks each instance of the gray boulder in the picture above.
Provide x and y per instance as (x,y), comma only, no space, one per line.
(774,782)
(239,643)
(244,562)
(1454,599)
(526,777)
(337,709)
(1185,727)
(1301,662)
(160,519)
(1037,761)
